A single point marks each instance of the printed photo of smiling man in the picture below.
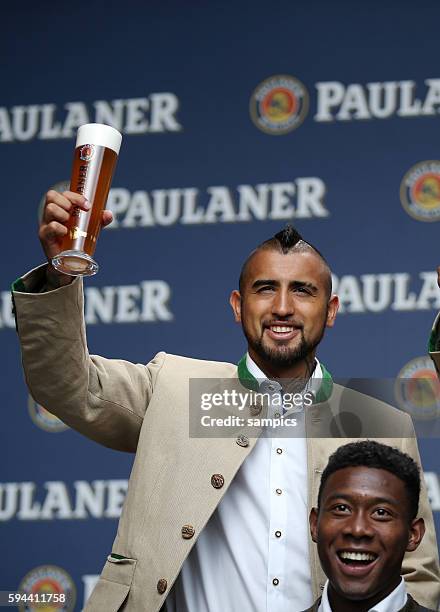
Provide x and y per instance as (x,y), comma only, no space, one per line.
(365,521)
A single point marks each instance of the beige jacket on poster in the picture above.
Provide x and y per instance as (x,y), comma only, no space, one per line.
(144,410)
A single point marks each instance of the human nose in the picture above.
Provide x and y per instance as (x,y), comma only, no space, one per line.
(358,526)
(282,305)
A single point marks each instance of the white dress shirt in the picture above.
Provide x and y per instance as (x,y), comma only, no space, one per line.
(392,603)
(253,555)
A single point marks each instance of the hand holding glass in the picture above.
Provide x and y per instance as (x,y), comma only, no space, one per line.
(96,152)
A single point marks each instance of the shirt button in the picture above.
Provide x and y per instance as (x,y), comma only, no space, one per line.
(162,586)
(217,481)
(278,491)
(278,534)
(275,582)
(277,415)
(279,451)
(255,409)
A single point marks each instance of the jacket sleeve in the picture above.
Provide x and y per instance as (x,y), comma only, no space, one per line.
(421,567)
(104,399)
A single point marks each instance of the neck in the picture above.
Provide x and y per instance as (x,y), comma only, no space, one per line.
(302,369)
(339,603)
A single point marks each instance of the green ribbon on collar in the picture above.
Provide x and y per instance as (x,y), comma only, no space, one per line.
(433,343)
(249,381)
(326,388)
(18,285)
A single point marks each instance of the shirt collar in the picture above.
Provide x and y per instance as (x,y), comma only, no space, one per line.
(320,383)
(394,602)
(259,375)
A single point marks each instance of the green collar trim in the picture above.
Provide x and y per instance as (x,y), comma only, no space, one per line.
(18,285)
(432,344)
(326,388)
(249,381)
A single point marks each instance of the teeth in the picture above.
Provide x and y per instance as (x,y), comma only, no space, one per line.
(280,328)
(353,556)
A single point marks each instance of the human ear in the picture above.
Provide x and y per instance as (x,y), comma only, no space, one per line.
(416,533)
(332,309)
(235,302)
(313,522)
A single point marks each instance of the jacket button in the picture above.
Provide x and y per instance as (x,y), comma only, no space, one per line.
(162,586)
(188,531)
(217,481)
(255,409)
(242,441)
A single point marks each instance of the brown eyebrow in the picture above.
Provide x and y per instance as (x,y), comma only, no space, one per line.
(351,499)
(262,282)
(298,284)
(295,284)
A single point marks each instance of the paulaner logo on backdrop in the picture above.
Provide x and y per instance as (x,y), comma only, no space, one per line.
(420,191)
(47,587)
(417,389)
(155,114)
(279,104)
(44,419)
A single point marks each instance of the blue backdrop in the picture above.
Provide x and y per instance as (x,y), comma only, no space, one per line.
(237,118)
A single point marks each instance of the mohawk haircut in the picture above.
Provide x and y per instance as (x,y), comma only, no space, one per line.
(288,240)
(372,454)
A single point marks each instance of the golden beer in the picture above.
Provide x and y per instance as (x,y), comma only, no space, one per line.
(96,153)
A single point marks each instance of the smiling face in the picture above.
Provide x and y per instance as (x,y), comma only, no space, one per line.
(284,308)
(363,529)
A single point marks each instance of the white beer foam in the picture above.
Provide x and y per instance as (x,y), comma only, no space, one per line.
(99,134)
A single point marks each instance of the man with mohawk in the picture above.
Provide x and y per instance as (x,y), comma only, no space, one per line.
(212,524)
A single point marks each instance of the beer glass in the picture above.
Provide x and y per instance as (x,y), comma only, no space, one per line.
(96,152)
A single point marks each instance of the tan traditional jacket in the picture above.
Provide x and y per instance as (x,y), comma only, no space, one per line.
(144,410)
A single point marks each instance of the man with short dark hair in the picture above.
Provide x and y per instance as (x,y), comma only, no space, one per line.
(365,522)
(206,523)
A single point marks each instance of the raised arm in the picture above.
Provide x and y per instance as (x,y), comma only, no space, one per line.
(103,399)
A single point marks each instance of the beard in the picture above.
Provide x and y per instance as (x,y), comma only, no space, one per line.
(283,356)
